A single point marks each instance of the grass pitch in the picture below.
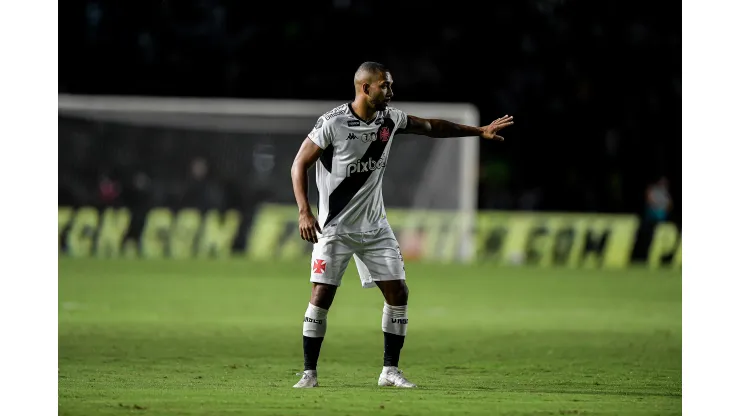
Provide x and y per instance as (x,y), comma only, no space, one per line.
(217,338)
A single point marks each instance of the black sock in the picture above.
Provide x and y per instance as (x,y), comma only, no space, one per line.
(393,345)
(311,349)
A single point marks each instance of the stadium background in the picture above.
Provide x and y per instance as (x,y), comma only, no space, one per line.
(595,88)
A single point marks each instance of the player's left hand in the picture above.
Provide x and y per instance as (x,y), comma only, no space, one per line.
(490,131)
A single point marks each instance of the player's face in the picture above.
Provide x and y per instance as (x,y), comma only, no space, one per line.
(381,92)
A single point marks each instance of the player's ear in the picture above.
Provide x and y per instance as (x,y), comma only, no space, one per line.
(366,88)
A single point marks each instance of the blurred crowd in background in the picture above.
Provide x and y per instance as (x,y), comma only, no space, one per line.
(595,86)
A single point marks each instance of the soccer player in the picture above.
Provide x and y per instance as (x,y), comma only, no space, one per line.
(352,142)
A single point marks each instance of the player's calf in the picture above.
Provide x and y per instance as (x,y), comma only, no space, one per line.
(394,323)
(314,331)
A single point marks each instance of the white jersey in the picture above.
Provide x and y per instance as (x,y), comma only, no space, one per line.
(349,174)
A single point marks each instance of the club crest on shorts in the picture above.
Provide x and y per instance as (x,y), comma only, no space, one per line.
(319,266)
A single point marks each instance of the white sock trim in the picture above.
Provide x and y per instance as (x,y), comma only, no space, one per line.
(314,322)
(395,311)
(316,312)
(395,319)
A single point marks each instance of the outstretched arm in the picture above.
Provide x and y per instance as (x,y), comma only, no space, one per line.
(443,128)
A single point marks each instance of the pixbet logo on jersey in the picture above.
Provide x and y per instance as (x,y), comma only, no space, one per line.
(365,166)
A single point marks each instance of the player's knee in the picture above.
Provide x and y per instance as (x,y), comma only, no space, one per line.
(322,295)
(398,294)
(403,293)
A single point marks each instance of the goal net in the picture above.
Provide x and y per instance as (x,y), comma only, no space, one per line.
(229,155)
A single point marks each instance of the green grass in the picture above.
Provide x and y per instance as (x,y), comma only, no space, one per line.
(216,338)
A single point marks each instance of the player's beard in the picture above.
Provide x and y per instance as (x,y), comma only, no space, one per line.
(379,104)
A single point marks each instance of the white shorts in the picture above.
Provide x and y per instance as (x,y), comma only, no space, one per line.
(377,256)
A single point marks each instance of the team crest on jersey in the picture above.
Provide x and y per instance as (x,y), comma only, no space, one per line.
(319,123)
(385,134)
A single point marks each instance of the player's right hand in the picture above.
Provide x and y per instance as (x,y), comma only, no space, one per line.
(490,131)
(308,225)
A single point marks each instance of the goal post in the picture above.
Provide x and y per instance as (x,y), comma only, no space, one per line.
(250,143)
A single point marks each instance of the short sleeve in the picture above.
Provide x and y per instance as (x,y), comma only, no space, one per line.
(321,133)
(402,119)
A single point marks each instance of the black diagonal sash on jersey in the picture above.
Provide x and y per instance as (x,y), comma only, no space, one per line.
(346,190)
(326,159)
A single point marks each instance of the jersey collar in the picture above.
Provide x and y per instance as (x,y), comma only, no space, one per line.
(351,110)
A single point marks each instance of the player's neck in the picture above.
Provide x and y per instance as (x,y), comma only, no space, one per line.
(362,110)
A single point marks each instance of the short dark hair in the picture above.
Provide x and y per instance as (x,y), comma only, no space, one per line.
(372,67)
